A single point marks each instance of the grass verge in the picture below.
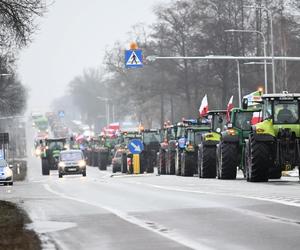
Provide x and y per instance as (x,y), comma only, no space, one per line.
(13,234)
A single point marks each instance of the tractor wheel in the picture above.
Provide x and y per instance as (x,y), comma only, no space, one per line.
(45,167)
(162,162)
(124,164)
(187,168)
(84,173)
(178,163)
(227,161)
(258,160)
(274,173)
(171,162)
(207,161)
(60,175)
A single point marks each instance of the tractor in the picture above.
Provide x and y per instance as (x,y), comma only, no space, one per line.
(188,157)
(151,139)
(273,145)
(207,147)
(164,156)
(50,154)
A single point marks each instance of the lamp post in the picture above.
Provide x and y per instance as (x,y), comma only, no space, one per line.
(272,40)
(239,83)
(107,109)
(265,51)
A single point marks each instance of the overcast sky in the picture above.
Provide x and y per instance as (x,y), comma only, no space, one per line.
(72,37)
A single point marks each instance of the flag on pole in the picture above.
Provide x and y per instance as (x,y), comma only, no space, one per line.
(229,108)
(203,110)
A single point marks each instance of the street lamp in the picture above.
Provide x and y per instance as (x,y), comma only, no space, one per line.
(107,109)
(265,51)
(272,39)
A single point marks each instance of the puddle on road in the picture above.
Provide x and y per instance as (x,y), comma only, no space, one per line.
(50,226)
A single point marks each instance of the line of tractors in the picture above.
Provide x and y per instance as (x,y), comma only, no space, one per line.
(261,138)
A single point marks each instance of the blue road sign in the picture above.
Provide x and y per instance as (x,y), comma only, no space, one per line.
(61,114)
(134,58)
(135,146)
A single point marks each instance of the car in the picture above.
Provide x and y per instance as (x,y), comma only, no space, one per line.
(71,162)
(6,173)
(117,161)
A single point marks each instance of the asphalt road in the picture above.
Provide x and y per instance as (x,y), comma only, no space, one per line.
(158,212)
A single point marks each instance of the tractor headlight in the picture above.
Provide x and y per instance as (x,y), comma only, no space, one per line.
(231,131)
(38,152)
(82,163)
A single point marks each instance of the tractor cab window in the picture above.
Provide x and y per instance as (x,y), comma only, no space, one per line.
(151,137)
(286,112)
(218,122)
(267,110)
(180,132)
(194,137)
(56,145)
(243,120)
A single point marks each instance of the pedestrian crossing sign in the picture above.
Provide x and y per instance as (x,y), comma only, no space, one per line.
(134,58)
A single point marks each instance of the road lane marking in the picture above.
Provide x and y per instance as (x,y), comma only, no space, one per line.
(280,200)
(190,243)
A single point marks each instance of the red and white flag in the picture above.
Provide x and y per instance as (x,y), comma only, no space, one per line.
(203,110)
(256,118)
(229,108)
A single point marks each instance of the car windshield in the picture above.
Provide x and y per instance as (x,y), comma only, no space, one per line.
(71,156)
(151,137)
(243,120)
(286,112)
(56,145)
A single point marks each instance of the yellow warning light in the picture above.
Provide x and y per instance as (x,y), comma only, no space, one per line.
(261,89)
(133,46)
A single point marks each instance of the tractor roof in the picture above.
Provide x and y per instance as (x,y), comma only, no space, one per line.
(282,95)
(56,139)
(217,111)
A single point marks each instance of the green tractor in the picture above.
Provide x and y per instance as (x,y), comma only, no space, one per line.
(164,155)
(231,147)
(50,154)
(189,155)
(273,145)
(151,139)
(207,147)
(126,161)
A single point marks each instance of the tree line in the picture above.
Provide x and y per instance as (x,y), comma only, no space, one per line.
(16,28)
(172,89)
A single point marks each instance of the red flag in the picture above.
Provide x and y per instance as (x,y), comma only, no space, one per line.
(203,110)
(229,108)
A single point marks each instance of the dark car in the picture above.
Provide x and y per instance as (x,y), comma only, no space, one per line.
(71,162)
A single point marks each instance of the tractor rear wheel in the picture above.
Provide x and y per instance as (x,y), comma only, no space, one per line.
(207,161)
(227,160)
(45,167)
(258,160)
(187,168)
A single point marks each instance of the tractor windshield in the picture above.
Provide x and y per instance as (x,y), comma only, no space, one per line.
(194,137)
(56,145)
(180,132)
(286,112)
(243,120)
(151,137)
(219,121)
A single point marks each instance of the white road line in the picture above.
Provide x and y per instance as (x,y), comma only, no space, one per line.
(278,200)
(133,220)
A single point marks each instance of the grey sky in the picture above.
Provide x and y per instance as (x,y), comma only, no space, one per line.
(72,37)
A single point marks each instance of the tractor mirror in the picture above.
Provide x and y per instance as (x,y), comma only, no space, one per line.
(245,103)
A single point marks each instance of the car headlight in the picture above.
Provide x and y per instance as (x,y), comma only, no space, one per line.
(61,164)
(82,163)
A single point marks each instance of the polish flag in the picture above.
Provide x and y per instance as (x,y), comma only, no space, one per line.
(256,118)
(203,110)
(229,108)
